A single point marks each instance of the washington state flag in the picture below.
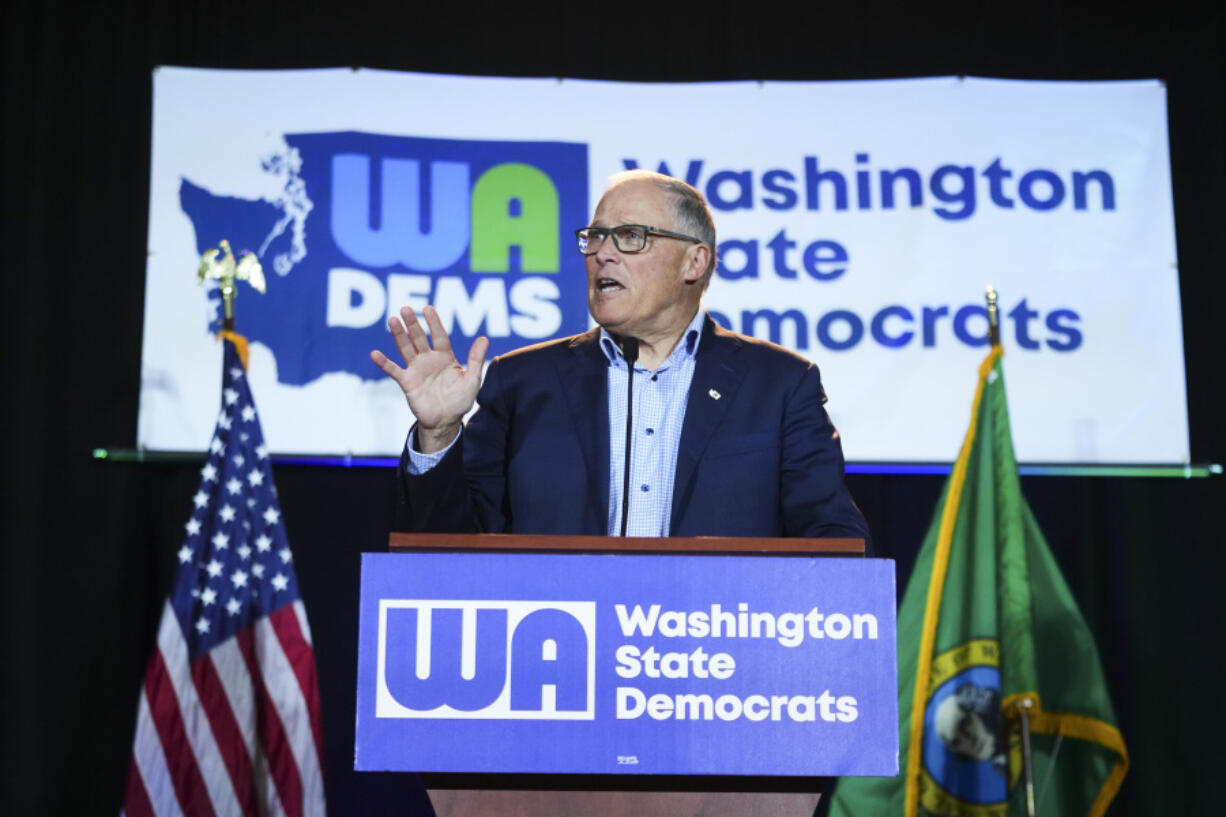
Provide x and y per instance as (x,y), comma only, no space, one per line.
(987,625)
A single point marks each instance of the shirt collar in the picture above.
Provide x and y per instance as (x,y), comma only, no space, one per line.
(687,348)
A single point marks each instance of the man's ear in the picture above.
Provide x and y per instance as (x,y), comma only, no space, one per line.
(697,259)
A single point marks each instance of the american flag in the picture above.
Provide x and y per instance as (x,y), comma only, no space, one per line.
(228,720)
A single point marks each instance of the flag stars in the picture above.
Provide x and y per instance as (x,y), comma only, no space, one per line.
(239,577)
(255,477)
(201,499)
(208,596)
(216,445)
(192,526)
(271,515)
(221,541)
(209,472)
(236,373)
(280,582)
(233,606)
(285,555)
(231,396)
(240,460)
(244,552)
(248,413)
(233,485)
(202,625)
(185,555)
(263,544)
(213,568)
(226,513)
(257,570)
(224,421)
(261,451)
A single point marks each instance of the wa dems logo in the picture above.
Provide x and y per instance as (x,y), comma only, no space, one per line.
(522,660)
(368,223)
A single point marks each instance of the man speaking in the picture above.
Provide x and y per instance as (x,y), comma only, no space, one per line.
(656,423)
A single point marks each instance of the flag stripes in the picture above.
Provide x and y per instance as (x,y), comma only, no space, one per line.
(228,720)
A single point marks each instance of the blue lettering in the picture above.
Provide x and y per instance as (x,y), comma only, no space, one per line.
(741,179)
(964,195)
(825,252)
(445,684)
(774,182)
(1106,188)
(855,329)
(864,195)
(878,327)
(1058,321)
(399,230)
(996,175)
(889,179)
(930,323)
(749,249)
(1022,315)
(1025,189)
(962,317)
(779,245)
(814,177)
(774,323)
(549,647)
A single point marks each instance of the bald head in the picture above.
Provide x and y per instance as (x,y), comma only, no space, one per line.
(689,208)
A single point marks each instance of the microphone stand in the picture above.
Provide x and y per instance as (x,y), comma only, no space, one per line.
(630,351)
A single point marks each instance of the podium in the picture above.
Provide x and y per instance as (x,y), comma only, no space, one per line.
(589,674)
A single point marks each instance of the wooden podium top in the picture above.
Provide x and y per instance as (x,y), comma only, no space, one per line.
(424,542)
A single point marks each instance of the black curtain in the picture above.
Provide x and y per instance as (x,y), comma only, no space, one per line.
(88,545)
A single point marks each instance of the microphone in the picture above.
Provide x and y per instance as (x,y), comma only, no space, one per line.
(630,351)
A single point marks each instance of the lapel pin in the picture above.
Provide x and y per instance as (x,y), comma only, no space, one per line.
(714,394)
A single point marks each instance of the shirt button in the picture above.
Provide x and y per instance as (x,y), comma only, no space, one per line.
(655,377)
(650,431)
(644,488)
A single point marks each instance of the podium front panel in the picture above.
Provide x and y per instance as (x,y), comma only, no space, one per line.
(571,663)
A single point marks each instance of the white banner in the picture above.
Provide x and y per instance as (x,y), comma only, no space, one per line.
(859,223)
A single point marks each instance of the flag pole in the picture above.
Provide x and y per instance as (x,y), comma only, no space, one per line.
(993,317)
(1023,705)
(1023,711)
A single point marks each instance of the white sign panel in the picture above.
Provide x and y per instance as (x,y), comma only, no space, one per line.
(859,223)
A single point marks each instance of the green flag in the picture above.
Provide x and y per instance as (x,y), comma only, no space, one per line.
(986,623)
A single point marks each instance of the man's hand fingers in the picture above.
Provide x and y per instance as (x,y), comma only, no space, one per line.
(383,362)
(417,335)
(476,357)
(442,343)
(401,339)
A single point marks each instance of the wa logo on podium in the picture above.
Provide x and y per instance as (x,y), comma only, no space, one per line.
(523,660)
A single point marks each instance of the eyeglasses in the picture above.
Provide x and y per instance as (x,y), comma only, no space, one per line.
(628,238)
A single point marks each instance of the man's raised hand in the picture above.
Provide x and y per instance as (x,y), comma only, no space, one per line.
(439,390)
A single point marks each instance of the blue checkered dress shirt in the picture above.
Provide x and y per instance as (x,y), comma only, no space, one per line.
(660,398)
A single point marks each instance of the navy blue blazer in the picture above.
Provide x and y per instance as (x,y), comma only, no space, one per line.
(761,459)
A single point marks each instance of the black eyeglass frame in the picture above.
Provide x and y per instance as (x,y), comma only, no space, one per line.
(611,232)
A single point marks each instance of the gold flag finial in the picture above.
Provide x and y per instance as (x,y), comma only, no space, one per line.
(993,317)
(219,264)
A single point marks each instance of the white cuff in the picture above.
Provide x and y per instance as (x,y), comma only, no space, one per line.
(420,463)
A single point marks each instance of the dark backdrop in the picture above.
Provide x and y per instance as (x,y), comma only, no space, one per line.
(87,545)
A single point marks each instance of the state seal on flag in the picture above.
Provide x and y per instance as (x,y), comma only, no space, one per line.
(970,760)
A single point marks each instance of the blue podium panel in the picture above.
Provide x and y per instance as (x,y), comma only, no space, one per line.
(605,664)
